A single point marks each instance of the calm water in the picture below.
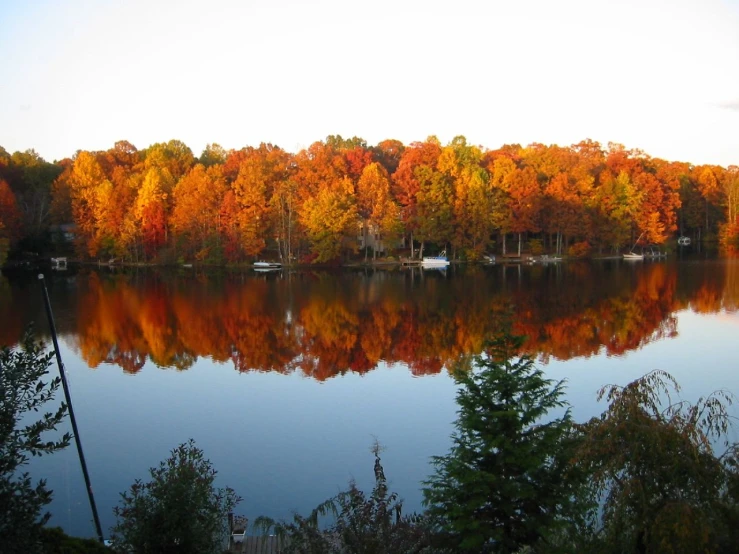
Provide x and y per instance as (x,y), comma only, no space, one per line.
(285,379)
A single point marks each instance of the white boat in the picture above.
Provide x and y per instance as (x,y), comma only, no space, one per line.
(435,261)
(268,265)
(633,256)
(684,241)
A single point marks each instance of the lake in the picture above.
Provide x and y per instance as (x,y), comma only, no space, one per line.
(285,379)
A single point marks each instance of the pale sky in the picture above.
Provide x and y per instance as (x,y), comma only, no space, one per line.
(659,75)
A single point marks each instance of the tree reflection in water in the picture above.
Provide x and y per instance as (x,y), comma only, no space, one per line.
(326,324)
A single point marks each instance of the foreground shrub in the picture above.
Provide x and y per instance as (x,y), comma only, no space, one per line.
(178,511)
(24,390)
(651,460)
(360,524)
(55,541)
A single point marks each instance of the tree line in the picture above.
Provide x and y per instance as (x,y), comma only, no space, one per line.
(164,204)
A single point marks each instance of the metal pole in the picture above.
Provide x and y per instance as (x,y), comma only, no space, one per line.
(75,431)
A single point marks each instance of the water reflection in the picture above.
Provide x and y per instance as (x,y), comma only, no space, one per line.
(326,324)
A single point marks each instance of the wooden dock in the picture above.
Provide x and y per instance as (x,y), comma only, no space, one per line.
(409,262)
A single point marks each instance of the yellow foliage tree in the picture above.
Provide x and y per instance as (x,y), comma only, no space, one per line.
(330,220)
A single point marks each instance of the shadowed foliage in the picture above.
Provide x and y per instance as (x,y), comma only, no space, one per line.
(24,431)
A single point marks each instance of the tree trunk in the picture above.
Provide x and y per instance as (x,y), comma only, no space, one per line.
(706,216)
(365,236)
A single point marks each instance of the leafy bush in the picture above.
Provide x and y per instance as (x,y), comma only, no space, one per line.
(579,249)
(361,524)
(23,391)
(179,510)
(56,541)
(651,460)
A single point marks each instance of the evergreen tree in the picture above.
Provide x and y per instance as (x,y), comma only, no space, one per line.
(504,484)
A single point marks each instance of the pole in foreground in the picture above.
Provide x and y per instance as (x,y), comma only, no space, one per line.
(75,431)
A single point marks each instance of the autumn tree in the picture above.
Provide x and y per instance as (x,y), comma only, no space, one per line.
(619,202)
(88,188)
(472,197)
(708,182)
(330,220)
(674,178)
(229,227)
(174,156)
(407,184)
(357,159)
(284,206)
(338,143)
(213,154)
(388,154)
(564,209)
(197,199)
(123,156)
(250,191)
(501,213)
(379,214)
(262,171)
(151,209)
(435,207)
(525,201)
(319,164)
(730,184)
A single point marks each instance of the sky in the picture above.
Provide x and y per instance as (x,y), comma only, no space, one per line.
(658,75)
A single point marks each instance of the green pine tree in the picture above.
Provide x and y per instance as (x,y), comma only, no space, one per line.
(505,483)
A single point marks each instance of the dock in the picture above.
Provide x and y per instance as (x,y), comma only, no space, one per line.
(514,258)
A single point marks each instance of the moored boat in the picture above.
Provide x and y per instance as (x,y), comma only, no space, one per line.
(267,265)
(435,261)
(633,256)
